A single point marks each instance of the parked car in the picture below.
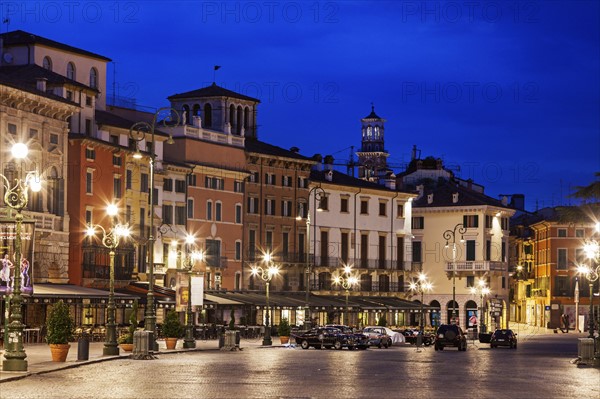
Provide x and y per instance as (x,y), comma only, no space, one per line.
(356,340)
(397,338)
(410,336)
(450,335)
(326,337)
(504,337)
(378,336)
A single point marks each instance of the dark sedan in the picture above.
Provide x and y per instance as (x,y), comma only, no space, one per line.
(324,337)
(411,335)
(359,340)
(504,337)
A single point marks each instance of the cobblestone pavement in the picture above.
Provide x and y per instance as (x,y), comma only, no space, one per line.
(539,368)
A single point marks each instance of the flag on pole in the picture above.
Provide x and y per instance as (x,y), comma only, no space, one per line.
(217,67)
(576,291)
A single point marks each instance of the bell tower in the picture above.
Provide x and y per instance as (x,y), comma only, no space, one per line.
(372,156)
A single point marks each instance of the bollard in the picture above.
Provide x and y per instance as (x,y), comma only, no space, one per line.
(221,340)
(141,345)
(83,348)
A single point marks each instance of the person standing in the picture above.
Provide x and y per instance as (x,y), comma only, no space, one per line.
(5,271)
(25,272)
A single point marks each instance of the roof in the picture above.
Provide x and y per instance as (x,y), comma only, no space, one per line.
(372,115)
(68,291)
(212,91)
(110,119)
(252,145)
(18,37)
(343,179)
(443,197)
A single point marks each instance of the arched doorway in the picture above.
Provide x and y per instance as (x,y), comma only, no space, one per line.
(384,283)
(450,307)
(366,282)
(471,315)
(325,281)
(434,315)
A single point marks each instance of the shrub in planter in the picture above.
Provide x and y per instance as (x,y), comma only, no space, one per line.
(172,327)
(284,329)
(59,327)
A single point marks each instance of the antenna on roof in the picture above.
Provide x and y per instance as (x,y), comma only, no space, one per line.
(114,102)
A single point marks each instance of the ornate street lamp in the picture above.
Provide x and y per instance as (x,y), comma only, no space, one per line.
(139,132)
(319,194)
(188,264)
(450,237)
(483,290)
(110,239)
(421,285)
(266,274)
(347,281)
(16,197)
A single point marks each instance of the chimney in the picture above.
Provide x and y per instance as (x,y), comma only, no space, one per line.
(295,150)
(420,189)
(328,162)
(41,84)
(505,200)
(470,184)
(329,175)
(517,201)
(318,158)
(454,198)
(390,181)
(429,198)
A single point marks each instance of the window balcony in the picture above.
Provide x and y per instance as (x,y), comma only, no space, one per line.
(468,267)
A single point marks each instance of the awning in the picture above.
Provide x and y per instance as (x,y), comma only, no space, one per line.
(221,300)
(45,293)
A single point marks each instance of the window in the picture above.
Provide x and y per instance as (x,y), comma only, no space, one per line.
(269,241)
(252,205)
(579,233)
(302,182)
(128,213)
(88,126)
(381,249)
(504,223)
(128,178)
(471,221)
(167,214)
(90,154)
(254,178)
(561,286)
(344,205)
(238,250)
(71,71)
(214,182)
(12,128)
(252,245)
(286,181)
(382,209)
(88,182)
(168,185)
(209,210)
(285,244)
(562,259)
(238,214)
(117,160)
(488,250)
(489,221)
(180,215)
(144,182)
(238,186)
(180,186)
(470,281)
(418,222)
(269,207)
(286,208)
(562,232)
(270,178)
(470,250)
(400,210)
(88,101)
(213,253)
(69,95)
(190,208)
(364,207)
(218,208)
(117,187)
(33,133)
(93,78)
(191,179)
(47,63)
(416,251)
(88,217)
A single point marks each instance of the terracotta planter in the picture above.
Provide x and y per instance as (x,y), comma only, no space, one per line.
(126,347)
(171,343)
(284,340)
(59,352)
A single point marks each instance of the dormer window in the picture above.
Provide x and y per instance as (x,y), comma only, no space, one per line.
(47,63)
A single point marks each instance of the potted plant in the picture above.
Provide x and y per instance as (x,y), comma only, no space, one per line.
(284,331)
(126,340)
(172,329)
(60,327)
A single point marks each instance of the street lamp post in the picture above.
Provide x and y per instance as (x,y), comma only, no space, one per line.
(347,281)
(319,193)
(139,132)
(483,290)
(450,236)
(421,285)
(110,239)
(266,274)
(16,197)
(592,251)
(189,341)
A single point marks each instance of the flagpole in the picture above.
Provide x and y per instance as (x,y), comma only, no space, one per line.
(577,305)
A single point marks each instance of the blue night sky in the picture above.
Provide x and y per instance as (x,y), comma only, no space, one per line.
(507,92)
